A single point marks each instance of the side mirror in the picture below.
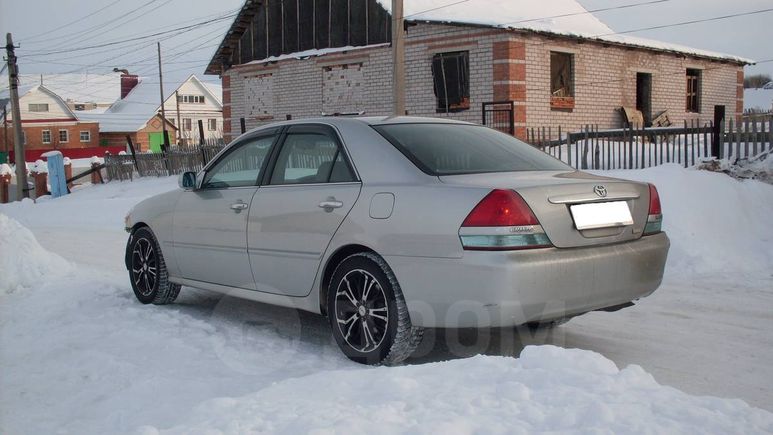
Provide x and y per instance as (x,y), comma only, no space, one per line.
(187,181)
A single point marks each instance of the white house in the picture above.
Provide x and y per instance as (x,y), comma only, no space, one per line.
(195,101)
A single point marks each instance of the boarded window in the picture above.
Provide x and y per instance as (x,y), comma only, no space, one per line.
(33,107)
(343,89)
(693,90)
(451,76)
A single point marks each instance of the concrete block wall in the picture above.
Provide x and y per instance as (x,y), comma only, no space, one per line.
(504,65)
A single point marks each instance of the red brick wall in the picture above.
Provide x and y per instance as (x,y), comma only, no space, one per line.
(34,134)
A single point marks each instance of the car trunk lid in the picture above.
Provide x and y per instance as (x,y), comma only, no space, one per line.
(551,196)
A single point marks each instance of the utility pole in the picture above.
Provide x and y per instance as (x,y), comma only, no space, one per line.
(179,125)
(5,128)
(163,112)
(398,55)
(18,144)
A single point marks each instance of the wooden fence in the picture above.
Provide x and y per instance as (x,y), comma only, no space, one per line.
(173,162)
(636,148)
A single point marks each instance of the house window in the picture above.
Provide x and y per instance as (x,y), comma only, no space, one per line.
(187,124)
(693,90)
(41,107)
(451,76)
(561,80)
(212,124)
(46,136)
(64,136)
(193,99)
(85,136)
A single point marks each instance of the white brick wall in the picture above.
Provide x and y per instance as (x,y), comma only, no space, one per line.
(605,80)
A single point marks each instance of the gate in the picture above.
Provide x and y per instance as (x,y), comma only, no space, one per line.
(499,115)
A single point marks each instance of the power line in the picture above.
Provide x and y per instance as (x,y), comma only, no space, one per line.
(589,11)
(32,38)
(67,37)
(138,38)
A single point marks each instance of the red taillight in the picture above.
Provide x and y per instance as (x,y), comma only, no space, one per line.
(501,208)
(655,215)
(654,201)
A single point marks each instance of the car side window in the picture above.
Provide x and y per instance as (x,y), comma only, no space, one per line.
(310,158)
(240,167)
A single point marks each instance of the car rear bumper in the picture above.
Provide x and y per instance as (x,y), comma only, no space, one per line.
(500,289)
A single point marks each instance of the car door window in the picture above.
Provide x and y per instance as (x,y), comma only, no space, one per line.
(240,167)
(310,158)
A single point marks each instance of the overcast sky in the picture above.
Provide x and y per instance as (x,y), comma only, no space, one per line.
(46,26)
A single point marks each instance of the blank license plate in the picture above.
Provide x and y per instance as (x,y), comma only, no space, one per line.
(601,215)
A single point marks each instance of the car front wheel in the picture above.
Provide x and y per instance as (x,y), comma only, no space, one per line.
(147,270)
(368,314)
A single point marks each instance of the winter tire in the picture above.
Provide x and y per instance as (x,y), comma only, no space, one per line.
(147,270)
(368,314)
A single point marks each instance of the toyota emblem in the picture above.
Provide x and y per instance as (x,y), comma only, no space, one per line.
(600,191)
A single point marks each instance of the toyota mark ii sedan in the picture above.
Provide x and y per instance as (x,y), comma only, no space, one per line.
(391,225)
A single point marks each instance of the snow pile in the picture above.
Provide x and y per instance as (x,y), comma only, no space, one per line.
(547,389)
(717,225)
(29,263)
(759,167)
(5,169)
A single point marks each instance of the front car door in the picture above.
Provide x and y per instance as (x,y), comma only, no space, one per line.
(210,223)
(298,209)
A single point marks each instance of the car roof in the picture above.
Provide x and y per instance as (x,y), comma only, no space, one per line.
(368,120)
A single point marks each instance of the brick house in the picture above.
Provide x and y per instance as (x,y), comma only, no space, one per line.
(309,58)
(47,122)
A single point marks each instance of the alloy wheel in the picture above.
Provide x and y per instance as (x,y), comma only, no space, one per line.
(144,267)
(361,311)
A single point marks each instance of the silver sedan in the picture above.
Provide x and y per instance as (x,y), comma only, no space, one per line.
(388,226)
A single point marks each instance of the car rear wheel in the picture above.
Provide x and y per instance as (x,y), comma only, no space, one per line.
(368,314)
(147,270)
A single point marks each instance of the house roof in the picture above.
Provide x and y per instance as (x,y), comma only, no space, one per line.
(26,89)
(557,17)
(131,113)
(81,88)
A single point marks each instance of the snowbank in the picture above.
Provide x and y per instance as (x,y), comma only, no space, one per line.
(547,389)
(759,167)
(717,225)
(28,264)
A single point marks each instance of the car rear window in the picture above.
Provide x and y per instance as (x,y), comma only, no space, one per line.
(448,149)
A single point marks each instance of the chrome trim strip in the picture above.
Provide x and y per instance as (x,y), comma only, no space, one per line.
(591,197)
(501,231)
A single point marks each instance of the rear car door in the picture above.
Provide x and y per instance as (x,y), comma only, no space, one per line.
(303,200)
(210,222)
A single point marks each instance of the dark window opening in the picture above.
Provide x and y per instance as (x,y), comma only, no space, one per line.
(644,96)
(693,90)
(561,80)
(451,76)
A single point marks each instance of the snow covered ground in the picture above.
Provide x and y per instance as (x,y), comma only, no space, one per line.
(79,355)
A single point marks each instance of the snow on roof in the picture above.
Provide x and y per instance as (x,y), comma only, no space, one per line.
(564,17)
(758,99)
(311,53)
(131,113)
(81,88)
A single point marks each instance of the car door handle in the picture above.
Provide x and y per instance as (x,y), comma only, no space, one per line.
(239,206)
(330,204)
